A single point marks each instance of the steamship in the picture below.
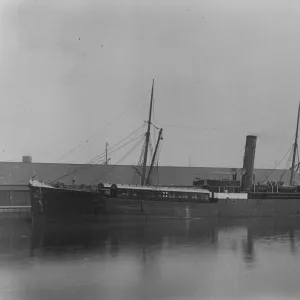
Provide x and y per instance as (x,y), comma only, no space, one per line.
(56,200)
(207,198)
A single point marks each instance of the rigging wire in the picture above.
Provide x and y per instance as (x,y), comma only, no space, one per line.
(101,129)
(139,166)
(90,165)
(297,149)
(154,135)
(106,125)
(140,162)
(110,148)
(123,145)
(155,126)
(287,166)
(155,164)
(277,165)
(150,148)
(130,151)
(156,168)
(102,159)
(123,157)
(203,128)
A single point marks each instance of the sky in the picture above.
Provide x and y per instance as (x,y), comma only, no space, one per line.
(75,69)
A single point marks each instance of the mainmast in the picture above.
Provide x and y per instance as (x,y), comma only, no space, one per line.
(147,138)
(295,150)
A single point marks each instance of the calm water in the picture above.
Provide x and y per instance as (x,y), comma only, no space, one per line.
(241,259)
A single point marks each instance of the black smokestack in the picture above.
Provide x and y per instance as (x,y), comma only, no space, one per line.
(249,162)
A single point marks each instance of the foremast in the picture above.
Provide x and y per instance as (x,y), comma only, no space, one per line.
(147,138)
(146,180)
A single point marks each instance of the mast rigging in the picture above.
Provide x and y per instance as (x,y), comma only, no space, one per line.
(154,156)
(295,150)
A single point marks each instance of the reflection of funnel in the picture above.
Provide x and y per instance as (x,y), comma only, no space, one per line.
(292,241)
(249,248)
(214,236)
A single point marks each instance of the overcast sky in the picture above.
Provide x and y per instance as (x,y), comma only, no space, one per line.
(222,70)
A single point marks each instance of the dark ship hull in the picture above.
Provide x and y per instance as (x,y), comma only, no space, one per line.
(49,203)
(152,209)
(54,204)
(221,208)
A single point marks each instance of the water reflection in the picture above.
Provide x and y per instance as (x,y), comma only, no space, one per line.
(249,248)
(161,259)
(292,241)
(119,236)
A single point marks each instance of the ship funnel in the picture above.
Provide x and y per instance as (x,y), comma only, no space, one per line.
(248,166)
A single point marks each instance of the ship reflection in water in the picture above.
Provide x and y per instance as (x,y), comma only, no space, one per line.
(162,259)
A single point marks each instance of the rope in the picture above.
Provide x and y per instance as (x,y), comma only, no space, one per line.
(156,169)
(155,165)
(212,128)
(122,158)
(287,166)
(297,149)
(150,148)
(89,166)
(139,164)
(101,129)
(129,152)
(110,149)
(277,165)
(155,126)
(138,168)
(123,146)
